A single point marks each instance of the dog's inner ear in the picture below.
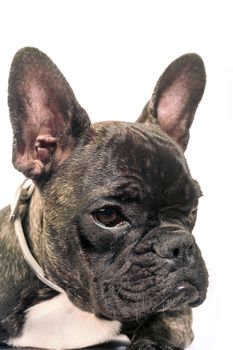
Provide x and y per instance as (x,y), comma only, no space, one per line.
(176,97)
(47,120)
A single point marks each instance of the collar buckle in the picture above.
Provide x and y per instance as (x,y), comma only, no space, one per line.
(23,194)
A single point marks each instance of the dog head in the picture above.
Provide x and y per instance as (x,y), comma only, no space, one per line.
(118,201)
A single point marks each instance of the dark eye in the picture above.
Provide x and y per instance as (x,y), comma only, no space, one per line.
(109,217)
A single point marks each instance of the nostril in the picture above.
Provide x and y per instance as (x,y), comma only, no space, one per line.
(175,253)
(176,249)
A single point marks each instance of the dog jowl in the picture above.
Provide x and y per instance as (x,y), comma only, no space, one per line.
(110,219)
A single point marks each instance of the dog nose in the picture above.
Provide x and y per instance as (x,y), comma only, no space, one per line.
(178,248)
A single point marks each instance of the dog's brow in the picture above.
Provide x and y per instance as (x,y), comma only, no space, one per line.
(126,191)
(129,189)
(122,191)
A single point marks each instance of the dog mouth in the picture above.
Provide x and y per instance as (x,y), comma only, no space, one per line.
(129,303)
(188,290)
(141,290)
(184,293)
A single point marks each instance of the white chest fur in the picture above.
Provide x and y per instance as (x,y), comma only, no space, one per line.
(58,324)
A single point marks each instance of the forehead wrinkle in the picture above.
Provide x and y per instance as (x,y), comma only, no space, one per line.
(127,188)
(129,159)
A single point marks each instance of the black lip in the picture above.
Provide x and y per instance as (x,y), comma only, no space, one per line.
(186,287)
(193,296)
(189,292)
(199,301)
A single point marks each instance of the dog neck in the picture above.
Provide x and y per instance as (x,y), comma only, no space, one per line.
(27,215)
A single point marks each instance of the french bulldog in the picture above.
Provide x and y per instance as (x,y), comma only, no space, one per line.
(109,220)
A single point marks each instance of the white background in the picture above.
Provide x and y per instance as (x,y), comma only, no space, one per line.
(112,53)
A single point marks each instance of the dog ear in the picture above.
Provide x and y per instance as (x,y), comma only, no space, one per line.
(47,120)
(176,97)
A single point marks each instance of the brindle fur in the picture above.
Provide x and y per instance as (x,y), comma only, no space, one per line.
(77,167)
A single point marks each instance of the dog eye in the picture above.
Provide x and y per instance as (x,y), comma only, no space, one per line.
(109,217)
